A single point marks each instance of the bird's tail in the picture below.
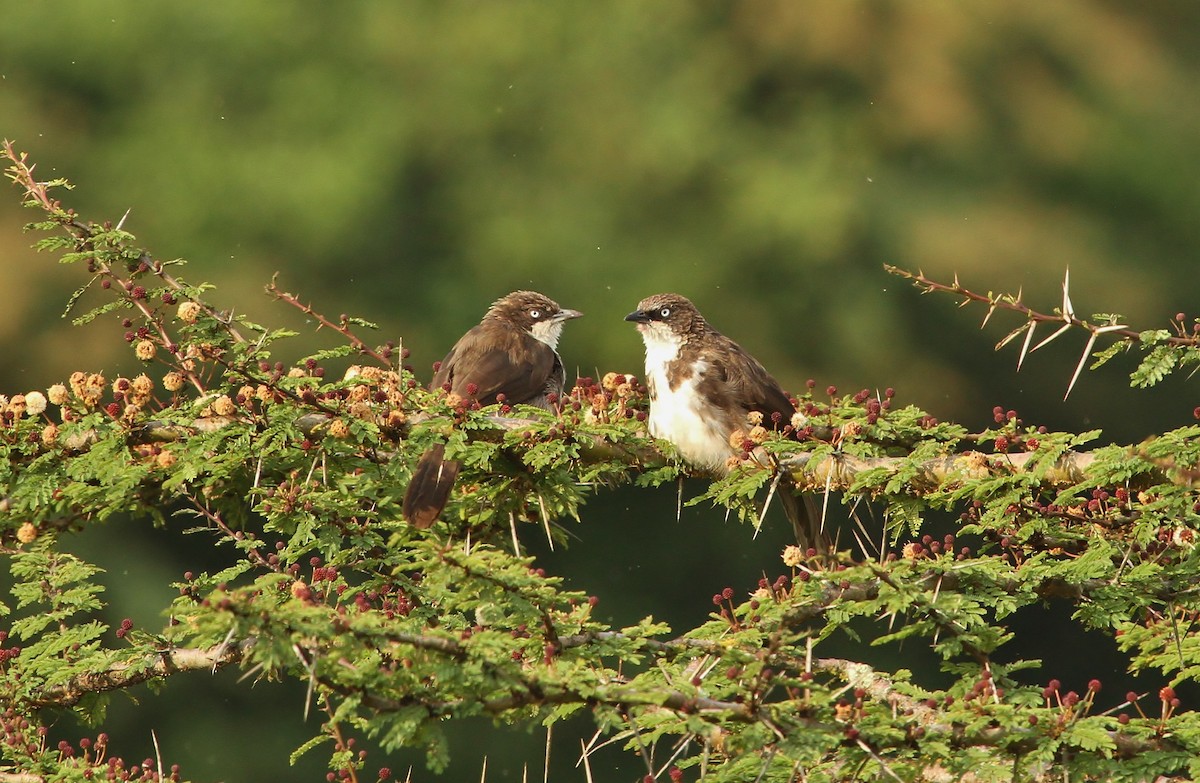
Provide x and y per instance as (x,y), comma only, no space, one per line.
(430,487)
(808,523)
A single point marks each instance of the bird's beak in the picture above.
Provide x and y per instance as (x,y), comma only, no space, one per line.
(566,315)
(638,316)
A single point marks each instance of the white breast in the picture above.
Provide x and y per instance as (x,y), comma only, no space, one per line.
(678,414)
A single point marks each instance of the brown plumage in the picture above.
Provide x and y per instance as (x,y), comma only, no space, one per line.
(430,487)
(512,352)
(702,387)
(702,384)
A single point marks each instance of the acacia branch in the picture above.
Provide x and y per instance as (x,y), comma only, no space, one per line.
(840,471)
(534,694)
(173,661)
(341,328)
(20,777)
(783,717)
(1014,304)
(837,472)
(158,665)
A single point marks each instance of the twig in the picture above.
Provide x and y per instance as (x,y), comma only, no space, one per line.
(340,328)
(1014,304)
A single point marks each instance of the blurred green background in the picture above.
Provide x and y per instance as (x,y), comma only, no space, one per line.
(409,162)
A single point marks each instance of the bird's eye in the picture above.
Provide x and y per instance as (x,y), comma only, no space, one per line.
(665,312)
(535,314)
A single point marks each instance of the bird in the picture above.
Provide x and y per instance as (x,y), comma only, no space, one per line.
(511,356)
(512,352)
(703,388)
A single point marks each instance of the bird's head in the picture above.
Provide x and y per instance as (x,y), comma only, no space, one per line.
(535,313)
(667,318)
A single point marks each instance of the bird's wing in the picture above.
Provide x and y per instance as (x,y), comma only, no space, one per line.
(519,367)
(445,371)
(750,383)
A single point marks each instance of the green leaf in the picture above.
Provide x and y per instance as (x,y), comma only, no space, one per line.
(1154,367)
(320,739)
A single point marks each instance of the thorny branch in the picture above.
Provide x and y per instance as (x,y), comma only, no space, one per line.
(123,675)
(1014,303)
(857,675)
(1065,317)
(781,716)
(835,472)
(21,172)
(341,328)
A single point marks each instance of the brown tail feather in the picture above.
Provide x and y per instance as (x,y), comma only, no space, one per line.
(430,487)
(807,524)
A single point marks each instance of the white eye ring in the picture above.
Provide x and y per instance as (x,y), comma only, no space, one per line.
(666,311)
(535,314)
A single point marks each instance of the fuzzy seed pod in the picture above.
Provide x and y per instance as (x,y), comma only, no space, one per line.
(188,312)
(223,406)
(16,405)
(35,403)
(142,386)
(58,394)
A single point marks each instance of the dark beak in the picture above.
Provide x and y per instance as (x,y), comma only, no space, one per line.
(638,316)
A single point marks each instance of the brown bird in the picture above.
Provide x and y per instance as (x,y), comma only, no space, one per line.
(702,387)
(513,351)
(512,354)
